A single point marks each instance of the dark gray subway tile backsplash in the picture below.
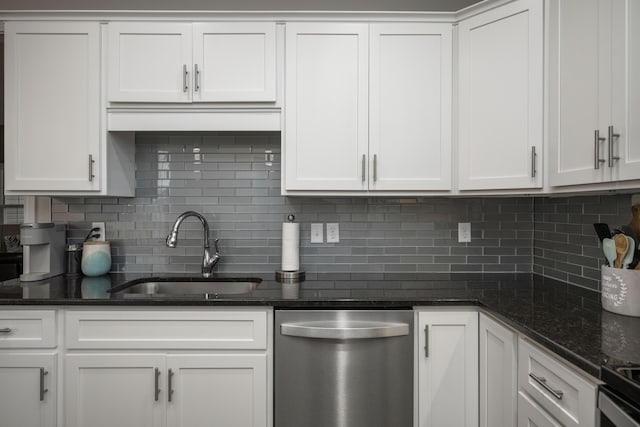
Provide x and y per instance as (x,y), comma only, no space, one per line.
(565,244)
(229,179)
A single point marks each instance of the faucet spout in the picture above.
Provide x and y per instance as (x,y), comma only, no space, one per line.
(209,261)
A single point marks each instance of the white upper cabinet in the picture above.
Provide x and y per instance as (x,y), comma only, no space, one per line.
(594,62)
(410,107)
(500,104)
(52,106)
(184,62)
(149,62)
(368,107)
(326,98)
(55,141)
(625,90)
(234,62)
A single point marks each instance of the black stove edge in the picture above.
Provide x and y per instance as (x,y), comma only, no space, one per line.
(620,385)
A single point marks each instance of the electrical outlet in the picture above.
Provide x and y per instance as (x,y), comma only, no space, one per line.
(333,232)
(102,230)
(464,232)
(317,233)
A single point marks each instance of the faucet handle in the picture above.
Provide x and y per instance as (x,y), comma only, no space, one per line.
(215,245)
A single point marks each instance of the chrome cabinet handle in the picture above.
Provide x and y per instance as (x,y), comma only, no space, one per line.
(364,165)
(611,137)
(533,161)
(5,331)
(341,331)
(375,167)
(426,340)
(196,72)
(157,384)
(185,75)
(42,389)
(170,384)
(91,162)
(596,154)
(543,382)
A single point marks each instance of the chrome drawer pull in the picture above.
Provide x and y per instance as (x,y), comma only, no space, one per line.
(42,389)
(5,331)
(170,385)
(156,384)
(596,148)
(543,382)
(185,76)
(426,341)
(612,135)
(533,161)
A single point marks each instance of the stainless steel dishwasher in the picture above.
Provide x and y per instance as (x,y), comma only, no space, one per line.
(344,368)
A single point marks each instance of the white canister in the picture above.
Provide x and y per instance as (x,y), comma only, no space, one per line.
(96,258)
(621,291)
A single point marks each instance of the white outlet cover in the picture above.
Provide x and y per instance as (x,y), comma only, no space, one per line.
(464,232)
(333,232)
(102,231)
(317,233)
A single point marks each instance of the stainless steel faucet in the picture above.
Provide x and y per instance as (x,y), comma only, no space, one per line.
(208,261)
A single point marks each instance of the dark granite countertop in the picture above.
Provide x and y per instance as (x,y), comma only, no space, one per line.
(565,319)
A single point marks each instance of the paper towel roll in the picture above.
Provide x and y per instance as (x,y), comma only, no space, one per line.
(290,246)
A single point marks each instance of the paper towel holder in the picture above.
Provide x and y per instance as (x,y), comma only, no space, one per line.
(289,276)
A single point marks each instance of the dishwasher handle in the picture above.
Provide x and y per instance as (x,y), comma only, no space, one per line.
(344,330)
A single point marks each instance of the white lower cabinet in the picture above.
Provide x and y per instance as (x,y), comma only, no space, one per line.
(217,390)
(447,350)
(190,368)
(498,369)
(562,393)
(28,368)
(28,390)
(104,390)
(532,415)
(154,390)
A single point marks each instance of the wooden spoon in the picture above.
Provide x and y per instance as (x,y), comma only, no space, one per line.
(622,247)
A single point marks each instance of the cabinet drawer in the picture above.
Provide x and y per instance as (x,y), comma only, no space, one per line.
(560,390)
(27,328)
(224,329)
(530,414)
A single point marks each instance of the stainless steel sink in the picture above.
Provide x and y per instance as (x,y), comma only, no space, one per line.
(207,288)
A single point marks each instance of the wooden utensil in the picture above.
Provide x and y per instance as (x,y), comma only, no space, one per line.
(622,247)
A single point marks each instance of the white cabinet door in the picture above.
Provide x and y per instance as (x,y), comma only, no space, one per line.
(234,62)
(106,390)
(498,374)
(326,115)
(625,98)
(532,415)
(500,105)
(579,63)
(447,368)
(52,106)
(27,390)
(410,107)
(224,389)
(149,62)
